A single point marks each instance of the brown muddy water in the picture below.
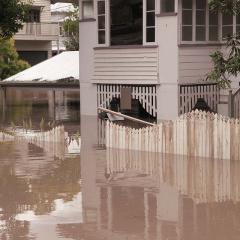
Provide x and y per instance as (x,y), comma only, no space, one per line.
(110,194)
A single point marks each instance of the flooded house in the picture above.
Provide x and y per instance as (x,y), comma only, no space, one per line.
(154,52)
(50,90)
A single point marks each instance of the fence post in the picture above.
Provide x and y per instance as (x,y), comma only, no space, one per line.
(230,104)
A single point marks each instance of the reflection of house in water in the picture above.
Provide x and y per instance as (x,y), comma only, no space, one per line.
(130,195)
(53,82)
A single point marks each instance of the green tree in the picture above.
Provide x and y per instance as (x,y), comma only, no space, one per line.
(71,30)
(226,65)
(12,15)
(10,63)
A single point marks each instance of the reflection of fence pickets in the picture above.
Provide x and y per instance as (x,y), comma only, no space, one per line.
(189,94)
(197,134)
(204,180)
(55,141)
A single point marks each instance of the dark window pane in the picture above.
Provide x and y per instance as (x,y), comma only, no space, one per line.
(200,33)
(187,17)
(227,31)
(33,15)
(238,19)
(150,5)
(187,33)
(126,22)
(101,7)
(200,4)
(238,29)
(167,6)
(213,33)
(101,37)
(187,4)
(151,19)
(200,17)
(150,34)
(213,18)
(227,19)
(101,22)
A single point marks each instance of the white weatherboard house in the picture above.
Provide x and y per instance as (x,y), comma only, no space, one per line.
(157,48)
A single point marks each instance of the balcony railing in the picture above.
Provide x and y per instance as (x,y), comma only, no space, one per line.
(38,31)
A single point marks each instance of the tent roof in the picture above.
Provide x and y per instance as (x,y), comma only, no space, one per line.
(64,66)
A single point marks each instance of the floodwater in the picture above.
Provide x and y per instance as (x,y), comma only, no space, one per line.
(111,194)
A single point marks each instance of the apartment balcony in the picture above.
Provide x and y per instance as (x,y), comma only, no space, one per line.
(38,31)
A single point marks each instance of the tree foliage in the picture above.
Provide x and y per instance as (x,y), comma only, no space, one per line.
(10,63)
(226,65)
(12,16)
(71,29)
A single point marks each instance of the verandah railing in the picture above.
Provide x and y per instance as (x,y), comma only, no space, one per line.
(190,93)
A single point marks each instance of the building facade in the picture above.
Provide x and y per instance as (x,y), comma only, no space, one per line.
(34,41)
(160,49)
(59,13)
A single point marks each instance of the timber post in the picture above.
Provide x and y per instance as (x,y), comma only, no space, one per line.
(230,104)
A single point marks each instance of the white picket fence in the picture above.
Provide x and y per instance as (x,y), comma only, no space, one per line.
(196,134)
(55,141)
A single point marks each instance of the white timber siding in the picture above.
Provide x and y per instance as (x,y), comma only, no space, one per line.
(194,63)
(145,94)
(45,11)
(126,66)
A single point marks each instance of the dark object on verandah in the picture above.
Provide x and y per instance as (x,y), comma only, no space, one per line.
(202,105)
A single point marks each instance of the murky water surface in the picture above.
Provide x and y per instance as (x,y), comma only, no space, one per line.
(110,194)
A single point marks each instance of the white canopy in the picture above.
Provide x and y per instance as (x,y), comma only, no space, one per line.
(60,67)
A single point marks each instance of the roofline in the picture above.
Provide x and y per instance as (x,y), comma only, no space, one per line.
(69,85)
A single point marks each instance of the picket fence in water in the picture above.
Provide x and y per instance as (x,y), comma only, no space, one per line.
(55,141)
(195,134)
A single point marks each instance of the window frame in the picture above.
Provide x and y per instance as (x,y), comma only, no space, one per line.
(194,41)
(108,25)
(145,12)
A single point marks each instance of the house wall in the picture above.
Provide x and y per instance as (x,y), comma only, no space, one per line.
(195,63)
(46,10)
(127,65)
(34,46)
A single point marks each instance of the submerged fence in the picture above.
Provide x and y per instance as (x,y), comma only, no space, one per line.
(55,141)
(196,134)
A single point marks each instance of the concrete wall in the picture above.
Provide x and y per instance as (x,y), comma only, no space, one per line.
(167,90)
(88,91)
(22,45)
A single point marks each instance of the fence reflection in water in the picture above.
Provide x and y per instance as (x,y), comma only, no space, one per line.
(204,180)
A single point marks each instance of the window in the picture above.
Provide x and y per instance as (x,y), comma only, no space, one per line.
(150,21)
(227,25)
(87,9)
(213,26)
(127,22)
(200,20)
(101,22)
(167,6)
(238,24)
(187,20)
(34,15)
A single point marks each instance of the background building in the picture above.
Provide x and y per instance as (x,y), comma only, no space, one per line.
(34,41)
